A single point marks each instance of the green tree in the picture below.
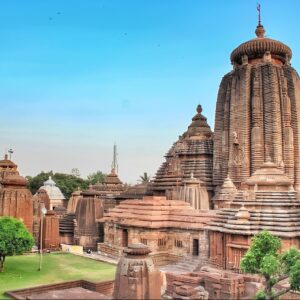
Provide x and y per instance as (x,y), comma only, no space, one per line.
(14,238)
(66,182)
(35,182)
(145,178)
(69,183)
(263,258)
(95,177)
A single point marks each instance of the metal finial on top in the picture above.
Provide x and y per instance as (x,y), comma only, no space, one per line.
(114,165)
(260,31)
(258,9)
(10,151)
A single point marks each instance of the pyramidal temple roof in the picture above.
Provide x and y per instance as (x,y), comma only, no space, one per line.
(157,212)
(191,153)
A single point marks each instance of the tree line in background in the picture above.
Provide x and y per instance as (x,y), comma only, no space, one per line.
(67,183)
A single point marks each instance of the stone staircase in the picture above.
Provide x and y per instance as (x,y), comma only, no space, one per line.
(186,264)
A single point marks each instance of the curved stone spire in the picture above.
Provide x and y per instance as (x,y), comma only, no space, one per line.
(257,112)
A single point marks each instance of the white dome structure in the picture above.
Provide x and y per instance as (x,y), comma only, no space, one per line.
(56,196)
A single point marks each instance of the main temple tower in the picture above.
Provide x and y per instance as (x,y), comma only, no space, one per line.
(258,112)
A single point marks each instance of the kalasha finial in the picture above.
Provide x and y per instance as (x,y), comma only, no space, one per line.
(199,109)
(260,31)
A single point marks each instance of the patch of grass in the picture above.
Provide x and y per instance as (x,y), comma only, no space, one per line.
(22,271)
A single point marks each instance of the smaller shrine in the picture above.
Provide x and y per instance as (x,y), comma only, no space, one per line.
(136,277)
(15,198)
(40,200)
(57,199)
(169,228)
(88,232)
(192,155)
(110,189)
(266,200)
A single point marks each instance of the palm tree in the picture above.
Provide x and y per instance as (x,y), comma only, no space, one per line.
(144,178)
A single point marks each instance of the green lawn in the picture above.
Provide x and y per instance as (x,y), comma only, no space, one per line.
(21,271)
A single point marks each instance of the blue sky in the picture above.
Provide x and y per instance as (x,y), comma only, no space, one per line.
(77,76)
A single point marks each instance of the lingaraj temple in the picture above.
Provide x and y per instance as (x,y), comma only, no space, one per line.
(215,190)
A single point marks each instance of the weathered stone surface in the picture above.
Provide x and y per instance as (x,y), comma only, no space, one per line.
(215,284)
(40,200)
(190,155)
(257,147)
(50,235)
(89,209)
(15,199)
(258,113)
(170,228)
(136,277)
(72,203)
(267,201)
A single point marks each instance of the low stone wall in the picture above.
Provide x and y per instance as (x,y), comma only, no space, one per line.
(103,287)
(161,259)
(219,284)
(108,250)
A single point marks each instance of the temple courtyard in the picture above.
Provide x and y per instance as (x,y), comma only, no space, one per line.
(22,271)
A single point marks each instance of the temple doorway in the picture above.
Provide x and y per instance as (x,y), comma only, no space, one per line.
(195,247)
(125,238)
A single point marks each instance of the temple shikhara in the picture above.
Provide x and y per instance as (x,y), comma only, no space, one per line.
(183,234)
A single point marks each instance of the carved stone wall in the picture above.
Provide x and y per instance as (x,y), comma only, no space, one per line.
(257,117)
(136,277)
(51,238)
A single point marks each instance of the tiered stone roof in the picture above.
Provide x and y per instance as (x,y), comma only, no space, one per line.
(268,201)
(192,153)
(157,213)
(7,167)
(112,185)
(137,191)
(15,198)
(66,224)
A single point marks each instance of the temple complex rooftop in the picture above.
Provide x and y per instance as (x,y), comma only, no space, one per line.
(111,186)
(191,154)
(267,201)
(157,212)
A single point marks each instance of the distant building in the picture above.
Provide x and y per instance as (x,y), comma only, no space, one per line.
(56,196)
